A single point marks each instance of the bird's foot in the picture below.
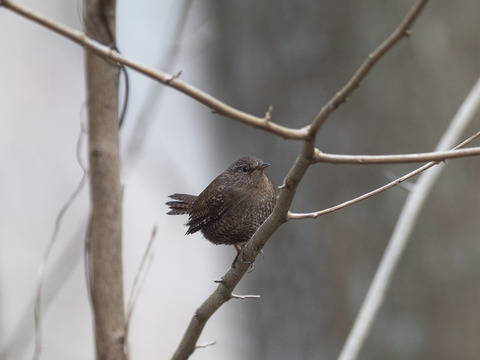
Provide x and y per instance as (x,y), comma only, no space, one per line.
(253,261)
(240,254)
(234,265)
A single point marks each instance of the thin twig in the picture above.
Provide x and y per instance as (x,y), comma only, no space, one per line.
(268,114)
(138,282)
(394,159)
(213,103)
(404,227)
(46,255)
(136,141)
(406,185)
(314,215)
(243,297)
(205,345)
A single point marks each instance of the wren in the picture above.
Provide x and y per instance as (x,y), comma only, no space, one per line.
(232,207)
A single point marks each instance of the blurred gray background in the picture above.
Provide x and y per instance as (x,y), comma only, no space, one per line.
(315,273)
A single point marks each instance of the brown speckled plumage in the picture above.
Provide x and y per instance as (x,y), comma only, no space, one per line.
(233,206)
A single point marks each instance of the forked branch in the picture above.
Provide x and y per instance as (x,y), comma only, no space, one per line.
(404,227)
(223,293)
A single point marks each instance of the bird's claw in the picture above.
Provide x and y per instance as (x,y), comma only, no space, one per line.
(240,253)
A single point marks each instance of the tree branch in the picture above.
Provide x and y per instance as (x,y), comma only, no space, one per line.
(308,155)
(137,285)
(402,30)
(400,236)
(320,156)
(211,102)
(314,215)
(46,256)
(223,292)
(137,140)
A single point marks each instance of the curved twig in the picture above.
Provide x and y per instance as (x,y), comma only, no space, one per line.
(53,239)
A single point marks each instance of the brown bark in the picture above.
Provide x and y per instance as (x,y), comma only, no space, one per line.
(106,214)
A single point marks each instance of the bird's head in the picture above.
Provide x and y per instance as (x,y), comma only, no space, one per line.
(248,171)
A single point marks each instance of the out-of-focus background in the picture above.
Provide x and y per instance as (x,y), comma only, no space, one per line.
(315,273)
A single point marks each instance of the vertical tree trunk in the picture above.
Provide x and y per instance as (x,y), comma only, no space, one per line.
(106,194)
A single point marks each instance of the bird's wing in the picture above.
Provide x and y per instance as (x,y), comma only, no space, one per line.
(214,206)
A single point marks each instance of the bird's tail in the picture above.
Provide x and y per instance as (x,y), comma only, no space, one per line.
(183,205)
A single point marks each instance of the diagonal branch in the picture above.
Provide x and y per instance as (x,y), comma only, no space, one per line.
(137,141)
(174,82)
(137,285)
(316,214)
(223,292)
(400,236)
(229,281)
(402,30)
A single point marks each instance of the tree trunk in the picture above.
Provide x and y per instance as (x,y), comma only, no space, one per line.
(106,193)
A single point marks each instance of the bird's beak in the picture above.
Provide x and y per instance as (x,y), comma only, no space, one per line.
(262,166)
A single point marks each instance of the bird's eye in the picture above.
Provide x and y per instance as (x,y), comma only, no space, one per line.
(245,169)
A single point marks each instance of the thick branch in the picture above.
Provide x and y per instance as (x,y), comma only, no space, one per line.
(213,103)
(223,293)
(106,191)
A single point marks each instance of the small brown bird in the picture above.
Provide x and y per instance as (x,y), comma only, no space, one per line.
(232,207)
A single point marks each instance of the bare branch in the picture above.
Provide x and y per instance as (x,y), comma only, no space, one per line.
(268,114)
(406,222)
(401,31)
(243,297)
(314,215)
(138,283)
(308,155)
(320,156)
(203,346)
(136,141)
(223,292)
(46,255)
(213,103)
